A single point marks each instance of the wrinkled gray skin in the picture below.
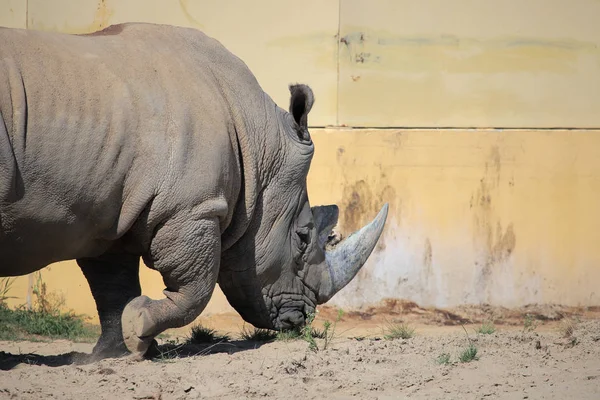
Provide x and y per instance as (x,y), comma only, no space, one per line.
(156,142)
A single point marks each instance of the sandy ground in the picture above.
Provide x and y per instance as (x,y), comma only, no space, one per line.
(543,362)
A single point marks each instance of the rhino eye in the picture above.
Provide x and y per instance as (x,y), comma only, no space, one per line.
(304,236)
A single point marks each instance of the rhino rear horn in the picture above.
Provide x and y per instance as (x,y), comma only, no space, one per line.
(325,217)
(343,262)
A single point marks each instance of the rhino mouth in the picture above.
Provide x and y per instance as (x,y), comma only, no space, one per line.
(293,312)
(290,320)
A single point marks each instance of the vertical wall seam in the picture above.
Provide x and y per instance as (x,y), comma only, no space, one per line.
(337,95)
(29,294)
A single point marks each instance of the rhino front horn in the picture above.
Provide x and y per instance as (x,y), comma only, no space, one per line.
(343,262)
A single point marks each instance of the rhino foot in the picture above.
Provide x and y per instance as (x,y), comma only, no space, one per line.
(137,325)
(106,349)
(151,352)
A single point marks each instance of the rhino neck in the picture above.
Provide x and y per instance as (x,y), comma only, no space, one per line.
(251,110)
(238,274)
(257,141)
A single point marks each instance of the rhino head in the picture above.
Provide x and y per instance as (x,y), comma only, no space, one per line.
(285,264)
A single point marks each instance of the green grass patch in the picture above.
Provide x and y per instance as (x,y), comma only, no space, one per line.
(399,331)
(297,334)
(320,333)
(287,335)
(23,324)
(258,334)
(469,354)
(487,328)
(45,319)
(308,333)
(443,359)
(168,356)
(529,323)
(201,335)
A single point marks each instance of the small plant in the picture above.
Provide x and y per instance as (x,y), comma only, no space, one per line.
(320,333)
(399,331)
(46,303)
(529,323)
(295,334)
(167,356)
(309,333)
(163,336)
(258,335)
(201,334)
(443,359)
(325,334)
(173,342)
(306,333)
(5,286)
(287,335)
(487,328)
(328,337)
(469,354)
(567,327)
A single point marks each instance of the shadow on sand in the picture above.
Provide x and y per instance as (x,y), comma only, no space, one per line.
(162,353)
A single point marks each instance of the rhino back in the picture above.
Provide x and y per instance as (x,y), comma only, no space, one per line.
(103,127)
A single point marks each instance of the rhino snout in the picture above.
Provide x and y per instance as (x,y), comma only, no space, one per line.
(290,319)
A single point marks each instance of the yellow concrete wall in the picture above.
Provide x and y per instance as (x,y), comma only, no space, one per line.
(501,216)
(466,63)
(495,216)
(13,13)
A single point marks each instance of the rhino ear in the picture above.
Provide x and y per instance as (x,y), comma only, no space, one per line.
(301,102)
(325,217)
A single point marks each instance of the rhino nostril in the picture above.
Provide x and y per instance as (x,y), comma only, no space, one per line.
(292,319)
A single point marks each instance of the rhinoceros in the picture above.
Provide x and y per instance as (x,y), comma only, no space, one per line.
(154,142)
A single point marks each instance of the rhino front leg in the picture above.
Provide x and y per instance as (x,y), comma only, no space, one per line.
(186,251)
(114,281)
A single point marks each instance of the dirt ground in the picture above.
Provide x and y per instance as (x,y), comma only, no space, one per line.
(534,354)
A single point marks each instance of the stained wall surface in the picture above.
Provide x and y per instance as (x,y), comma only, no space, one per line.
(477,122)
